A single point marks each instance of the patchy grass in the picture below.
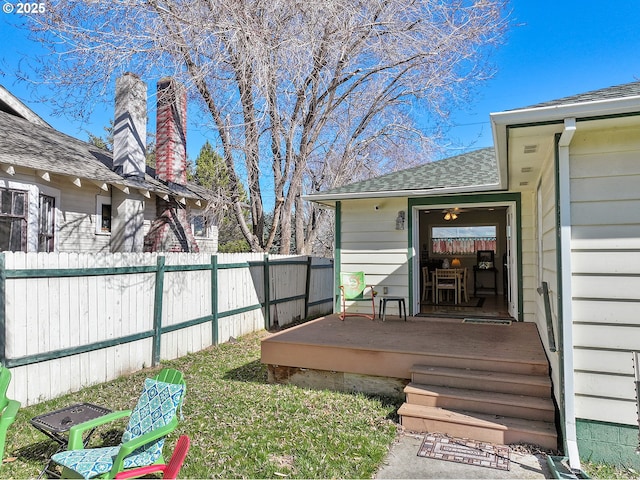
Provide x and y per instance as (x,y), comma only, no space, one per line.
(240,426)
(600,470)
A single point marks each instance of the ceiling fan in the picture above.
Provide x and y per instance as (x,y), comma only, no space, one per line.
(452,213)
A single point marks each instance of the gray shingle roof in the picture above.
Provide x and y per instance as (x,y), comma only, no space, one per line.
(25,144)
(473,169)
(617,91)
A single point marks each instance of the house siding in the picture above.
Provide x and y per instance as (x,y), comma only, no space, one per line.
(77,228)
(529,275)
(371,243)
(605,212)
(545,265)
(75,222)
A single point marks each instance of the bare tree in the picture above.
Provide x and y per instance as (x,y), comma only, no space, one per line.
(317,92)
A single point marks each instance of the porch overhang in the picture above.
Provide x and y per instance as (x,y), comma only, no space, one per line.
(516,132)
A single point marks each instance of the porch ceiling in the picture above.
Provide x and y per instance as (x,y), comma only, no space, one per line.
(529,148)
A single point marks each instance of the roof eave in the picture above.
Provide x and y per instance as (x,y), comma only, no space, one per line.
(328,199)
(501,121)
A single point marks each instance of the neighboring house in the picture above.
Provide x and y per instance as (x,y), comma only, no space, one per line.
(561,190)
(60,194)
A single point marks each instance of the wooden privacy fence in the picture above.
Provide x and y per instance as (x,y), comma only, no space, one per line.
(69,320)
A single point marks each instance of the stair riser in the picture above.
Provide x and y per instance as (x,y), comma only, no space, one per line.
(504,410)
(483,364)
(503,437)
(483,384)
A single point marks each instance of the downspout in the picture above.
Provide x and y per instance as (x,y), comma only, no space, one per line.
(566,295)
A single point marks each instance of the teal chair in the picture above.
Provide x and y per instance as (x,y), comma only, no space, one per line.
(8,408)
(354,288)
(153,418)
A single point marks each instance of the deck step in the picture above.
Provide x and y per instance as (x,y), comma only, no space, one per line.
(513,383)
(478,426)
(504,404)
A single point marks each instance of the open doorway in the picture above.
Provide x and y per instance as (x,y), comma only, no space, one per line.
(476,242)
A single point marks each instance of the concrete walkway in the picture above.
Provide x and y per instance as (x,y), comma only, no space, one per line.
(403,462)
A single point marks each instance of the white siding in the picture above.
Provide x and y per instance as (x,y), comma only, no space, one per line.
(529,266)
(545,266)
(605,212)
(76,229)
(371,243)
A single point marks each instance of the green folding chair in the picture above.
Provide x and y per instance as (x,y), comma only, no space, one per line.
(8,408)
(354,288)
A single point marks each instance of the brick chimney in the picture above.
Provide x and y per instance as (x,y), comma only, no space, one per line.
(171,132)
(130,126)
(171,231)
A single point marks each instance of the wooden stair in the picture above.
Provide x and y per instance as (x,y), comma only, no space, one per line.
(491,406)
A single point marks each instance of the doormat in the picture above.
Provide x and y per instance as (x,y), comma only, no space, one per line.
(488,321)
(469,452)
(472,303)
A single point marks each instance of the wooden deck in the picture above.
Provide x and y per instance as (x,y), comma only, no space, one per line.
(485,381)
(389,349)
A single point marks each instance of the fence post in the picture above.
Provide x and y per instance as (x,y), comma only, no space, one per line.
(267,299)
(307,288)
(157,312)
(214,299)
(3,311)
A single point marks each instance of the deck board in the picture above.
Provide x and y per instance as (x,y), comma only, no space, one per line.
(390,348)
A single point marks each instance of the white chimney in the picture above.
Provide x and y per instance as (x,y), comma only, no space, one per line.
(130,126)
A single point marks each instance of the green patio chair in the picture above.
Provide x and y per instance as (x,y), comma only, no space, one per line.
(8,408)
(154,417)
(354,288)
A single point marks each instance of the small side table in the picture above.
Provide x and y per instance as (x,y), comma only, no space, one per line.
(477,270)
(382,306)
(55,424)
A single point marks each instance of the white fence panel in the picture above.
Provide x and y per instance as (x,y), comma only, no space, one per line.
(321,288)
(75,319)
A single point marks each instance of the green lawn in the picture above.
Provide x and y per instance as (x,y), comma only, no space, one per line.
(240,426)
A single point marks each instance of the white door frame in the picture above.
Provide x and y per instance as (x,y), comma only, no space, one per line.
(513,247)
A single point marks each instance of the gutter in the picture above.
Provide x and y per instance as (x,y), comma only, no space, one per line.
(318,198)
(558,113)
(566,320)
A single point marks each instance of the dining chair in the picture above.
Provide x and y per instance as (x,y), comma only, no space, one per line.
(446,279)
(463,292)
(427,284)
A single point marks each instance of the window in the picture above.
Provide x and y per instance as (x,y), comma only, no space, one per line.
(13,220)
(46,226)
(462,240)
(103,215)
(201,224)
(198,224)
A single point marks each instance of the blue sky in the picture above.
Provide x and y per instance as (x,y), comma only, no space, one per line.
(555,49)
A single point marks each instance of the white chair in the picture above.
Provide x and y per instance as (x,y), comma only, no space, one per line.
(427,284)
(463,292)
(446,279)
